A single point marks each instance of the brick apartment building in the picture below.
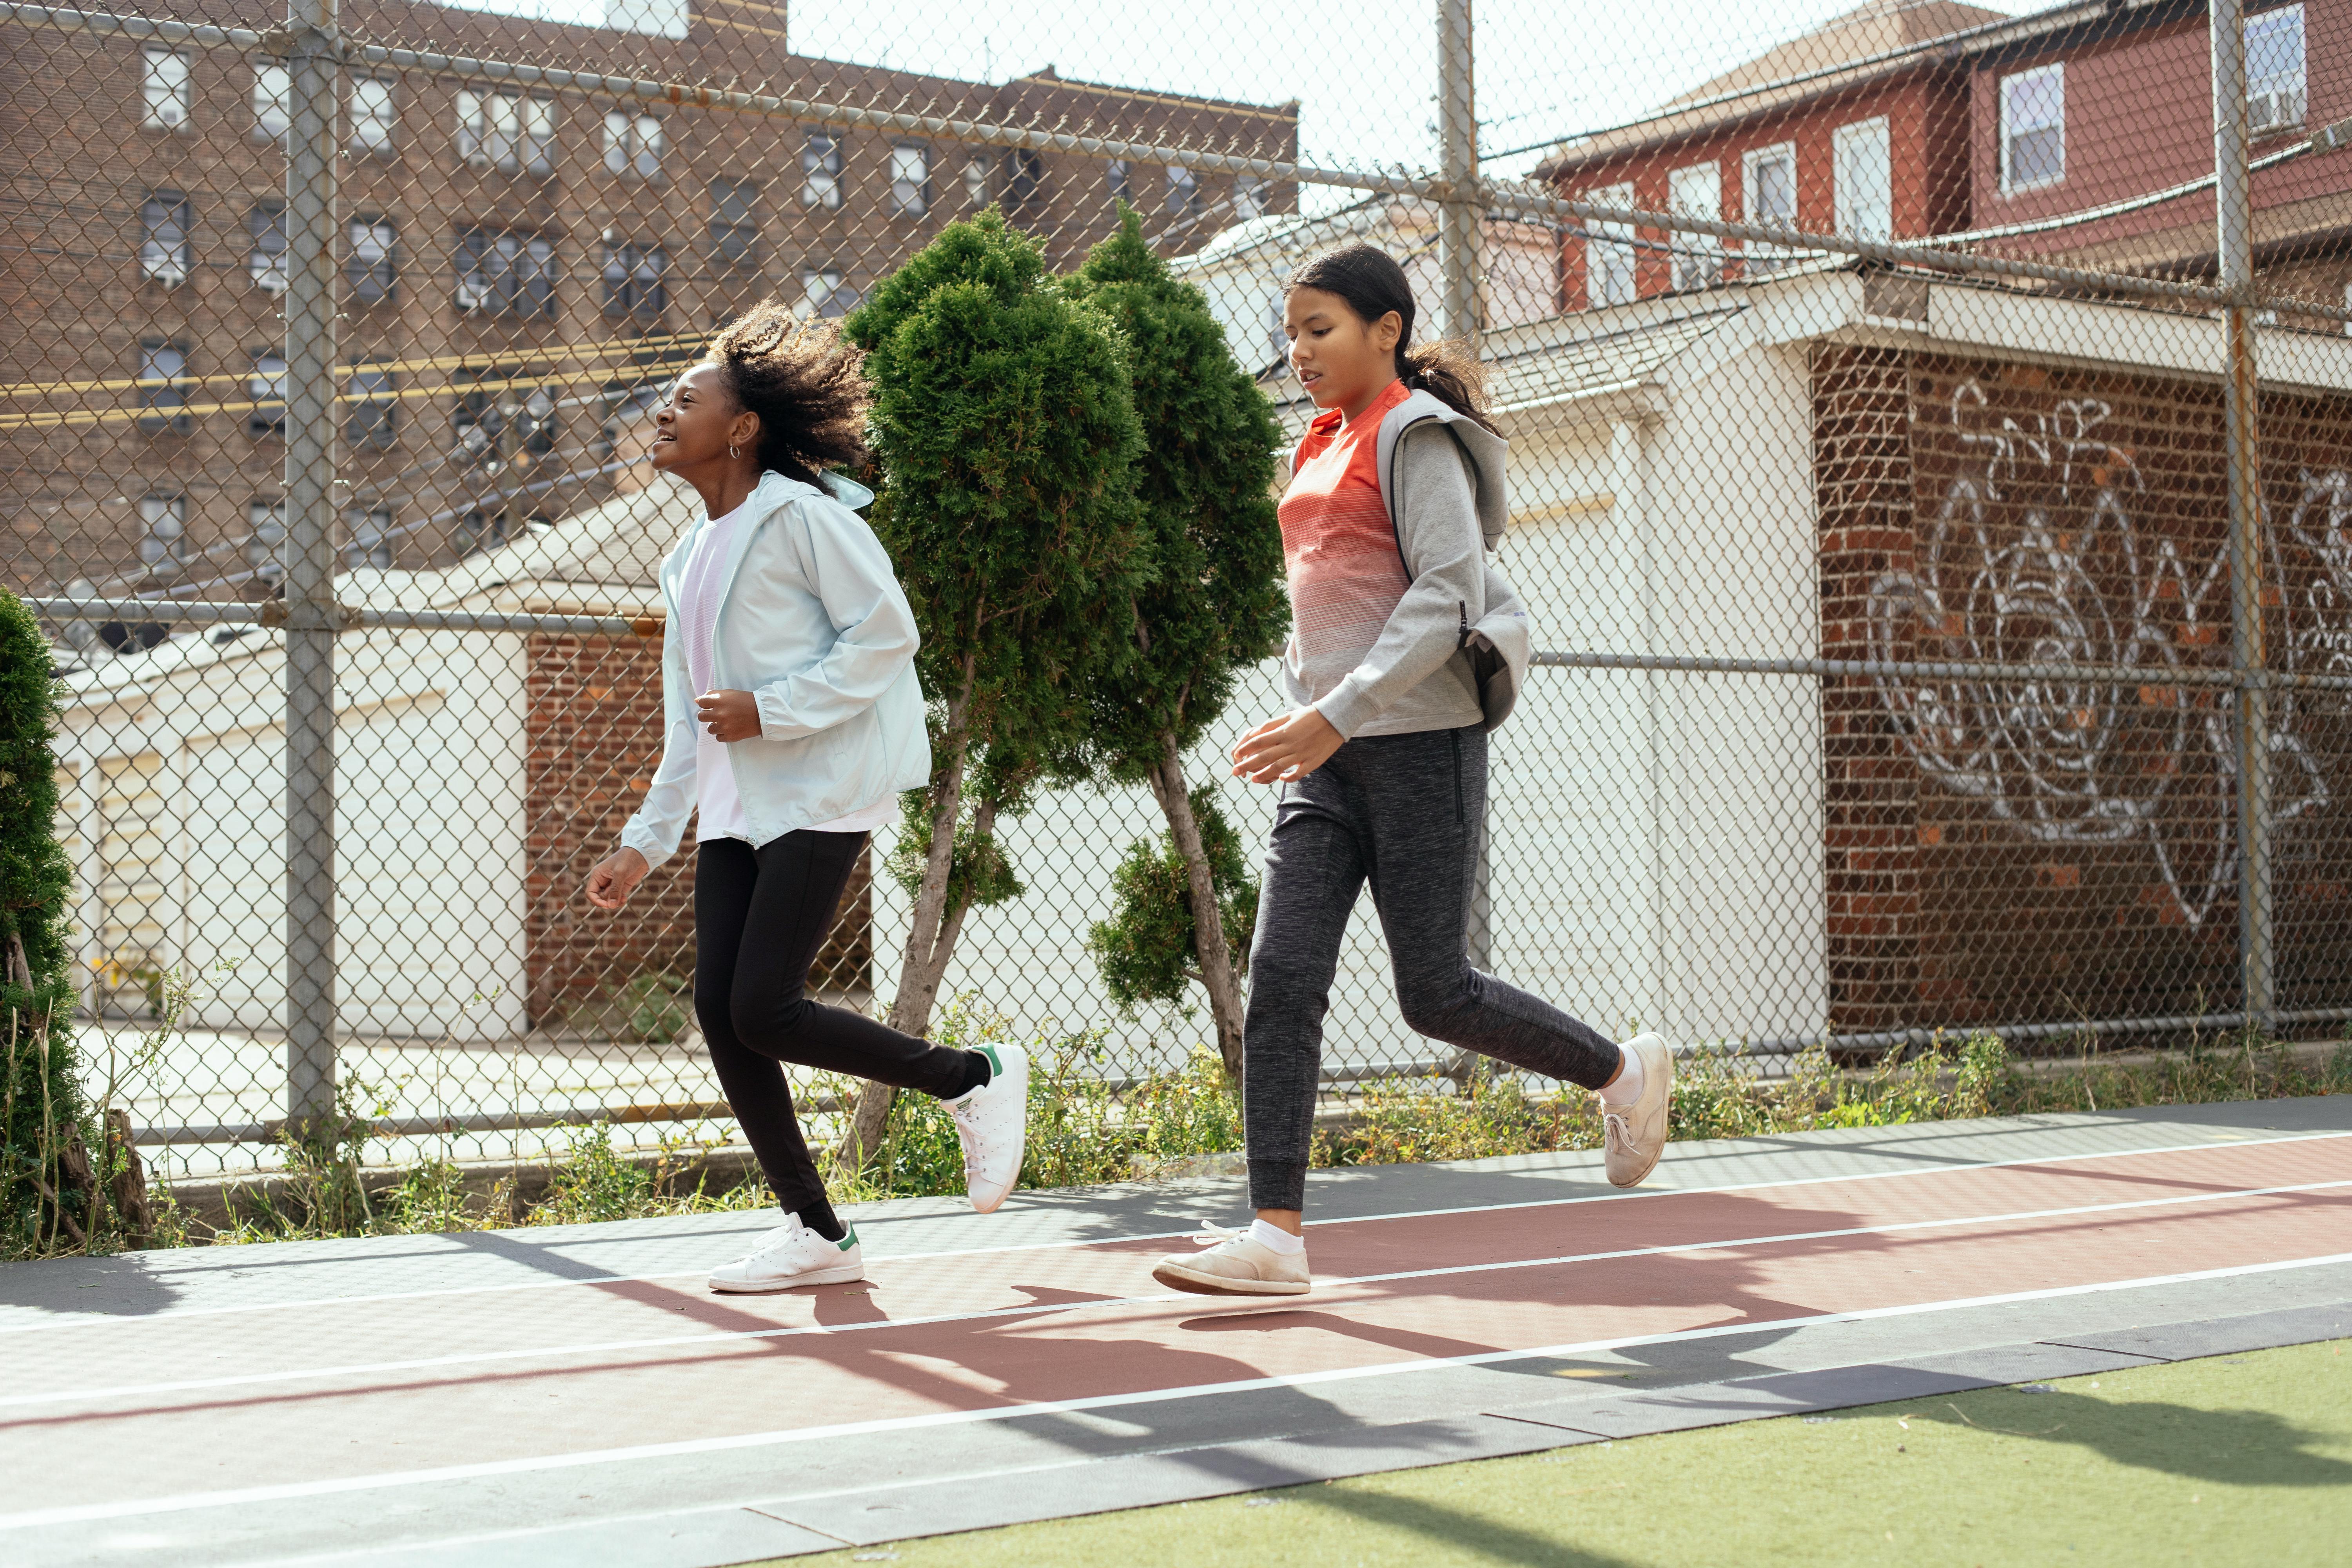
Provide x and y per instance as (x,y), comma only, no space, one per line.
(517,268)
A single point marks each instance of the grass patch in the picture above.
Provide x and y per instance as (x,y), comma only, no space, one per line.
(1082,1132)
(2234,1460)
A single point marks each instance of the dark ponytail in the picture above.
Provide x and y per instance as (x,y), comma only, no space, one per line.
(1372,284)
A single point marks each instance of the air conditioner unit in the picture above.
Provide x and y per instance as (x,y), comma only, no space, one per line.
(2274,110)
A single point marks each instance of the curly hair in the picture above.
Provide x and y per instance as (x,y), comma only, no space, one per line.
(804,384)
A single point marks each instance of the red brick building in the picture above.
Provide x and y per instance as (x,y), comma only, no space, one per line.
(2091,107)
(1819,134)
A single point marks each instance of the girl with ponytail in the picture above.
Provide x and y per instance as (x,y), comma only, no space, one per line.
(794,720)
(1406,648)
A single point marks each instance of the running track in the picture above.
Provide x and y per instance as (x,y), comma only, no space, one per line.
(576,1396)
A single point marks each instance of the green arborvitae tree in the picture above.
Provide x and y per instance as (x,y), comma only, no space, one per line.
(1148,950)
(48,1194)
(1215,607)
(1007,440)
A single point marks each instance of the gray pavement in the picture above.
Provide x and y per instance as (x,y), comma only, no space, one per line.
(670,1508)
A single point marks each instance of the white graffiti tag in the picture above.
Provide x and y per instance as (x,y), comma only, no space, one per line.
(2034,557)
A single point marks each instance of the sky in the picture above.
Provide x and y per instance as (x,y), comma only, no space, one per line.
(1363,73)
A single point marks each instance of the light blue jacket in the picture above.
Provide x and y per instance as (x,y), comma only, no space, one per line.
(813,623)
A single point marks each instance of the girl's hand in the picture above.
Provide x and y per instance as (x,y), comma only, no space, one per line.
(1289,748)
(616,878)
(729,715)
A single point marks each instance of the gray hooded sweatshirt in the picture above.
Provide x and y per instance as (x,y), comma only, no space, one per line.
(1454,650)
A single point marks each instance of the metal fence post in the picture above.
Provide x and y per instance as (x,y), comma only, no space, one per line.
(314,63)
(1458,157)
(2233,201)
(1457,267)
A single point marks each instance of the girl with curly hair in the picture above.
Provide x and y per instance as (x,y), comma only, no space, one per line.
(793,719)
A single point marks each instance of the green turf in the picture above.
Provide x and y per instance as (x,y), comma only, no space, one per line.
(2236,1460)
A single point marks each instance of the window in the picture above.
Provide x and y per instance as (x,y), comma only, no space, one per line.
(822,293)
(975,180)
(2033,128)
(500,421)
(821,172)
(1609,255)
(633,279)
(1024,177)
(266,259)
(633,145)
(164,84)
(1767,194)
(1183,194)
(163,534)
(267,386)
(1277,336)
(1696,190)
(1249,197)
(373,117)
(499,131)
(536,431)
(735,223)
(163,385)
(374,405)
(478,532)
(910,181)
(501,274)
(1115,174)
(371,542)
(1864,179)
(265,538)
(273,102)
(2275,67)
(164,220)
(371,269)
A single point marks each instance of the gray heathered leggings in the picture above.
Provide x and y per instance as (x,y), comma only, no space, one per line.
(1405,813)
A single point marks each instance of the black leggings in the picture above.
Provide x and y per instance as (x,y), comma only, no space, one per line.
(759,917)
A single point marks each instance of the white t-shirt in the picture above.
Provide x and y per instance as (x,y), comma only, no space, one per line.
(718,810)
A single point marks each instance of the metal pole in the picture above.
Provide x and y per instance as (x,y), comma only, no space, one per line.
(2235,216)
(1457,161)
(310,623)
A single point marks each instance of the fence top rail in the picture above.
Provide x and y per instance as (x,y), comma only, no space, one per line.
(1525,197)
(347,617)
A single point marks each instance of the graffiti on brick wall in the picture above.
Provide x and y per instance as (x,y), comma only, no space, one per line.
(2037,553)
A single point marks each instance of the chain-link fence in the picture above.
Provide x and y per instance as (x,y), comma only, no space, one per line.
(1932,480)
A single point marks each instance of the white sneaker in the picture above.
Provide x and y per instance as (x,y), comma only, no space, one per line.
(992,1121)
(1635,1134)
(789,1257)
(1234,1265)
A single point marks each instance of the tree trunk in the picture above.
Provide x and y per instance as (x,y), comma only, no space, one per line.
(930,940)
(1208,923)
(128,1186)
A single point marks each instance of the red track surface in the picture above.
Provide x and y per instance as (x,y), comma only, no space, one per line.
(317,1392)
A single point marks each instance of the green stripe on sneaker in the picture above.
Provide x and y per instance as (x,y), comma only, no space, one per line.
(848,1239)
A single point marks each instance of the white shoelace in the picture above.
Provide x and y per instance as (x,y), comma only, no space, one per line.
(963,1113)
(1217,1235)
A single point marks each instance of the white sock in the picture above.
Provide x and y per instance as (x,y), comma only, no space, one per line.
(1627,1090)
(1275,1240)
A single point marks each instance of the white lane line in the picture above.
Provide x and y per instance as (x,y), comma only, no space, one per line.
(98,1320)
(247,1497)
(737,1336)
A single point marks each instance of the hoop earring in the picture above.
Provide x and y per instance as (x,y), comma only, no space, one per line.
(731,453)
